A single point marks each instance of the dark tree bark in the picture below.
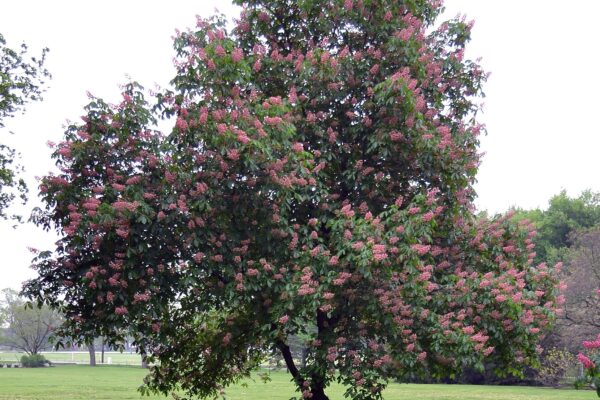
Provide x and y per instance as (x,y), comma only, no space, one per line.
(317,388)
(102,352)
(92,351)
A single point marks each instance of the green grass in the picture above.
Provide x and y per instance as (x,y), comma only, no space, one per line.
(81,357)
(78,382)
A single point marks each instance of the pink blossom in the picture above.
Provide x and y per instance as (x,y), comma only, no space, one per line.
(427,216)
(284,319)
(587,363)
(396,136)
(219,50)
(233,154)
(134,180)
(298,147)
(121,310)
(257,65)
(237,55)
(380,256)
(358,245)
(379,248)
(347,211)
(227,338)
(592,344)
(181,124)
(509,249)
(421,249)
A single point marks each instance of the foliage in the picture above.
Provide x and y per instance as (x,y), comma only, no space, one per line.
(34,361)
(554,366)
(568,231)
(28,328)
(591,365)
(21,80)
(317,183)
(557,224)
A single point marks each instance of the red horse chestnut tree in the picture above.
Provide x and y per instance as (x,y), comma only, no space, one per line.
(318,183)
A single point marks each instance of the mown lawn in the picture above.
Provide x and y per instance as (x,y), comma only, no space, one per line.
(80,382)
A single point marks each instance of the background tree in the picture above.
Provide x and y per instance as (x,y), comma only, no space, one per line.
(28,328)
(21,80)
(317,184)
(566,232)
(557,224)
(581,317)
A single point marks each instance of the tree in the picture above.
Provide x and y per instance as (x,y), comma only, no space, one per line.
(581,317)
(28,328)
(557,225)
(568,232)
(317,183)
(21,81)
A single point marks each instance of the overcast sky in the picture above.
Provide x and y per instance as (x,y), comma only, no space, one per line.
(540,109)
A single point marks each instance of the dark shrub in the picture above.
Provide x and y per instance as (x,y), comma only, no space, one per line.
(34,361)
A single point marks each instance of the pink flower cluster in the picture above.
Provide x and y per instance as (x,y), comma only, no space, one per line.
(594,344)
(585,361)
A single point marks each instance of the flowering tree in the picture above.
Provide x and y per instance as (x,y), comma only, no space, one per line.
(317,183)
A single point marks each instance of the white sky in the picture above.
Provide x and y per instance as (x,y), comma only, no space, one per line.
(540,105)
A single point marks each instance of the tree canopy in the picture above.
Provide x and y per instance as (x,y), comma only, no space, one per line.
(27,328)
(317,183)
(21,80)
(557,226)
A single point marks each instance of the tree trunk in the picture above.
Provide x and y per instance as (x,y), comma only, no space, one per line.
(144,361)
(92,351)
(102,353)
(318,393)
(317,389)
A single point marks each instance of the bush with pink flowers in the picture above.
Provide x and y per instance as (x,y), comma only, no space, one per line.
(591,364)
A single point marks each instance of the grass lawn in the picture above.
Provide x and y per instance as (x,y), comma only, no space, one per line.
(116,383)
